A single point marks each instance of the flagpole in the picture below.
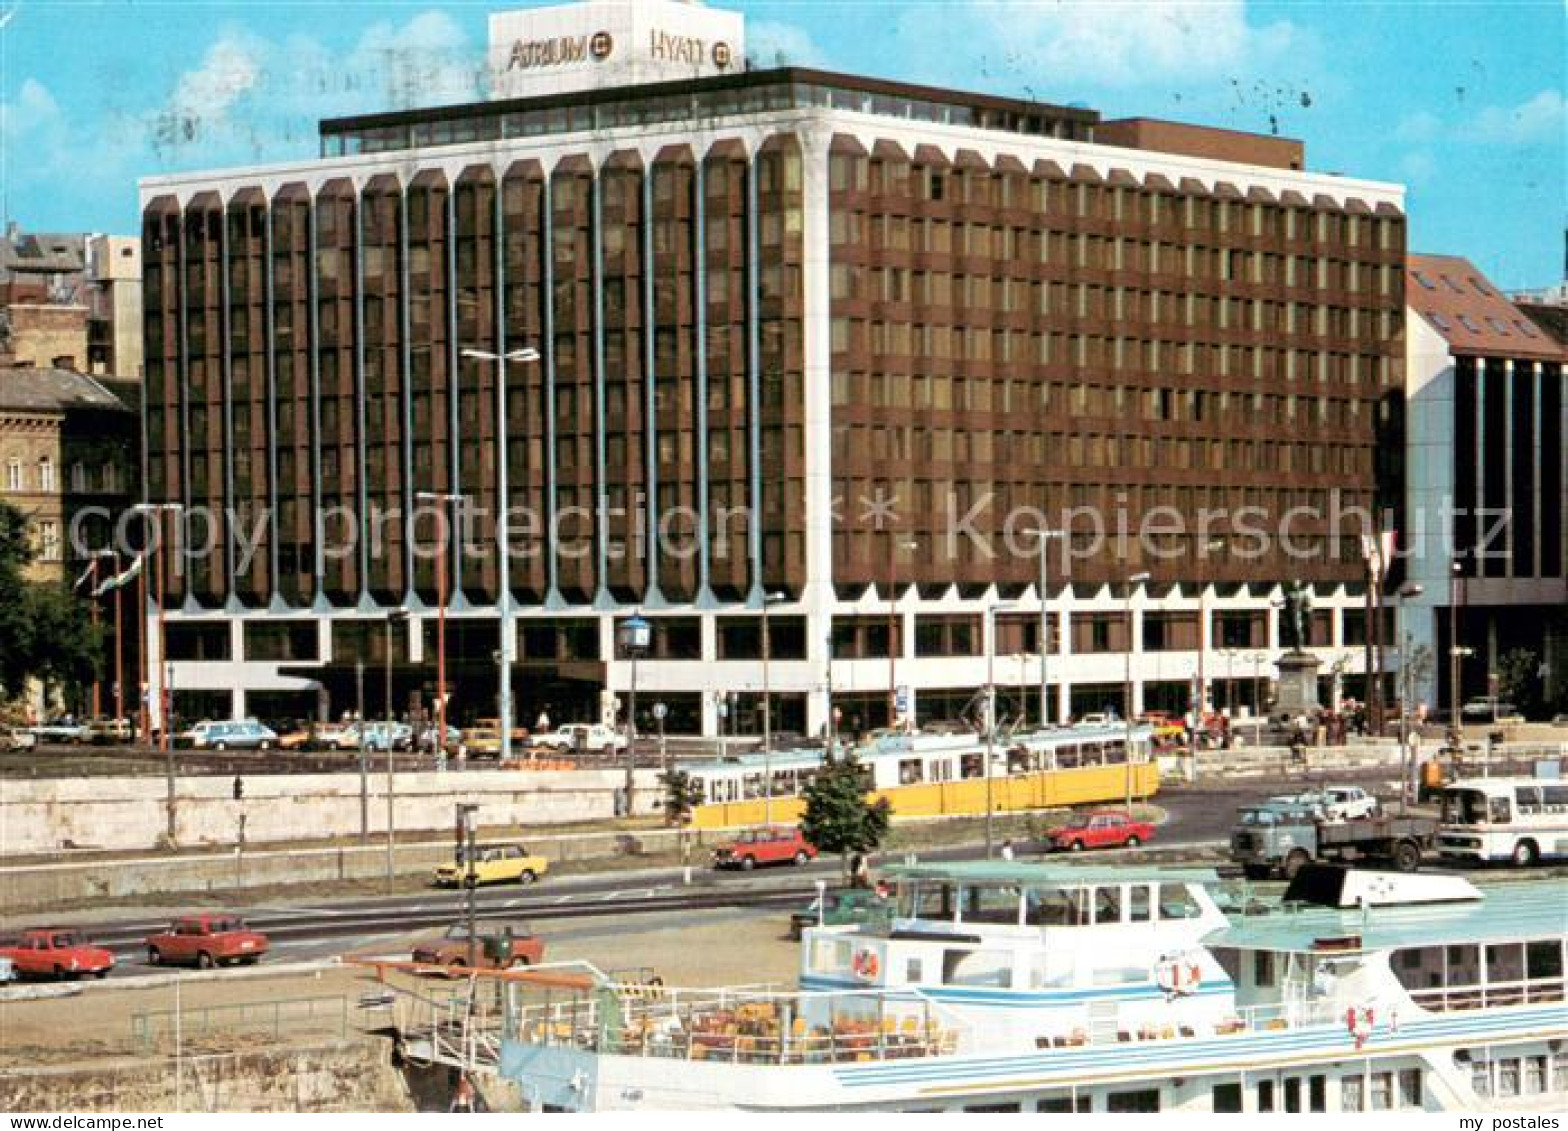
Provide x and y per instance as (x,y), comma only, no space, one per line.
(119,650)
(92,597)
(141,653)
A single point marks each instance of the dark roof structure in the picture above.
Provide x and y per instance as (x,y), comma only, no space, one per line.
(33,389)
(1462,305)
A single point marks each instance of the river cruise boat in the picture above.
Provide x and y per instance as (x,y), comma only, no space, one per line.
(990,986)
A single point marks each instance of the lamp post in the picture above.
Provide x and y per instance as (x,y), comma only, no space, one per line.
(635,636)
(456,499)
(119,651)
(1044,537)
(503,535)
(397,616)
(1200,707)
(1455,590)
(990,718)
(893,635)
(1401,595)
(768,600)
(1135,579)
(165,694)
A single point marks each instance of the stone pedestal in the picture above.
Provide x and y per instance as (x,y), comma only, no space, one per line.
(1298,685)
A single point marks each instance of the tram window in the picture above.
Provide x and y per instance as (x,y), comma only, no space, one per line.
(1108,905)
(909,771)
(1176,902)
(1089,754)
(753,786)
(1115,753)
(941,769)
(1068,758)
(971,766)
(1138,904)
(1017,761)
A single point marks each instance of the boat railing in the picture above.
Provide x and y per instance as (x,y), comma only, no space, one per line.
(1491,995)
(749,1025)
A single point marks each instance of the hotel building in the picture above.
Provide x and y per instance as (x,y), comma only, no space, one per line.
(816,353)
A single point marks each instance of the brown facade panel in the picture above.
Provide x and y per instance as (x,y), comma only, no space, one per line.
(576,421)
(337,382)
(249,393)
(432,387)
(294,403)
(204,560)
(528,408)
(381,273)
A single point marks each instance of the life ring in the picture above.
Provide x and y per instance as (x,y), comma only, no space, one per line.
(1359,1023)
(1179,977)
(866,965)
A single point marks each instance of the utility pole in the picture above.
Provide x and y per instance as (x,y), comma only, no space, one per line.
(1045,537)
(990,721)
(457,501)
(1134,580)
(636,634)
(394,617)
(165,693)
(768,600)
(466,852)
(364,752)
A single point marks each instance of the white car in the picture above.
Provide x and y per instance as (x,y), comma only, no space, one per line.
(243,734)
(1336,802)
(14,740)
(592,738)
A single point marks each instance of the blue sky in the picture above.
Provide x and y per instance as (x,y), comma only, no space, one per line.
(1462,102)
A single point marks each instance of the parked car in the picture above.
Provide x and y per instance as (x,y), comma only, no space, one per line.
(381,737)
(56,952)
(482,742)
(206,941)
(7,971)
(848,908)
(1333,803)
(498,944)
(495,864)
(425,738)
(1099,829)
(245,734)
(295,736)
(337,736)
(1487,711)
(773,844)
(110,732)
(63,729)
(591,738)
(14,740)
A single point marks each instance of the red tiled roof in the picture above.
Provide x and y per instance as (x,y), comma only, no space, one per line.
(1461,304)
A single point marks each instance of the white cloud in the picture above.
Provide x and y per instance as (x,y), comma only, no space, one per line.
(1134,42)
(231,68)
(771,42)
(1419,128)
(34,113)
(1541,118)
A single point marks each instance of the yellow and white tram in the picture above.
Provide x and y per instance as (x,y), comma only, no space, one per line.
(930,775)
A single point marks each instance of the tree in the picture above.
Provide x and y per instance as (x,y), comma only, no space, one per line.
(839,818)
(1519,681)
(682,794)
(45,631)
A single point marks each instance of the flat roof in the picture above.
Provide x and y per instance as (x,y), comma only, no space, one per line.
(1509,912)
(1025,873)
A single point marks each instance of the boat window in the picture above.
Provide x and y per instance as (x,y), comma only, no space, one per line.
(1293,1094)
(1145,1099)
(994,1107)
(1265,1095)
(977,968)
(1505,963)
(1138,903)
(1056,908)
(1227,1098)
(932,901)
(1108,905)
(991,903)
(914,971)
(1263,968)
(1177,902)
(1544,958)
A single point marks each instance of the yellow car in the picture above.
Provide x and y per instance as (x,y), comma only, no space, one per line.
(496,864)
(482,742)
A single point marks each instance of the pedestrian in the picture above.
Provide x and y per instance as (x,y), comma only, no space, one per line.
(1007,849)
(859,871)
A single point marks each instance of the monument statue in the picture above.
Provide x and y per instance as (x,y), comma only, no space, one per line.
(1295,626)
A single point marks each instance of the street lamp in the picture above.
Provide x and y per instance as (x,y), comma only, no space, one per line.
(456,499)
(768,601)
(1455,589)
(1200,708)
(398,616)
(1401,595)
(635,636)
(990,716)
(503,535)
(1044,537)
(119,650)
(165,671)
(893,635)
(1132,581)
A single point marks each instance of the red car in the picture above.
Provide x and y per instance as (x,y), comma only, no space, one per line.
(206,941)
(1101,829)
(774,844)
(56,952)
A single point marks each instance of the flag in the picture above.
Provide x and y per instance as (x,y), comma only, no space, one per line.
(120,579)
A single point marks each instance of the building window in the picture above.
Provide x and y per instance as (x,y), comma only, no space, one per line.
(13,475)
(1227,1098)
(79,477)
(46,475)
(49,541)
